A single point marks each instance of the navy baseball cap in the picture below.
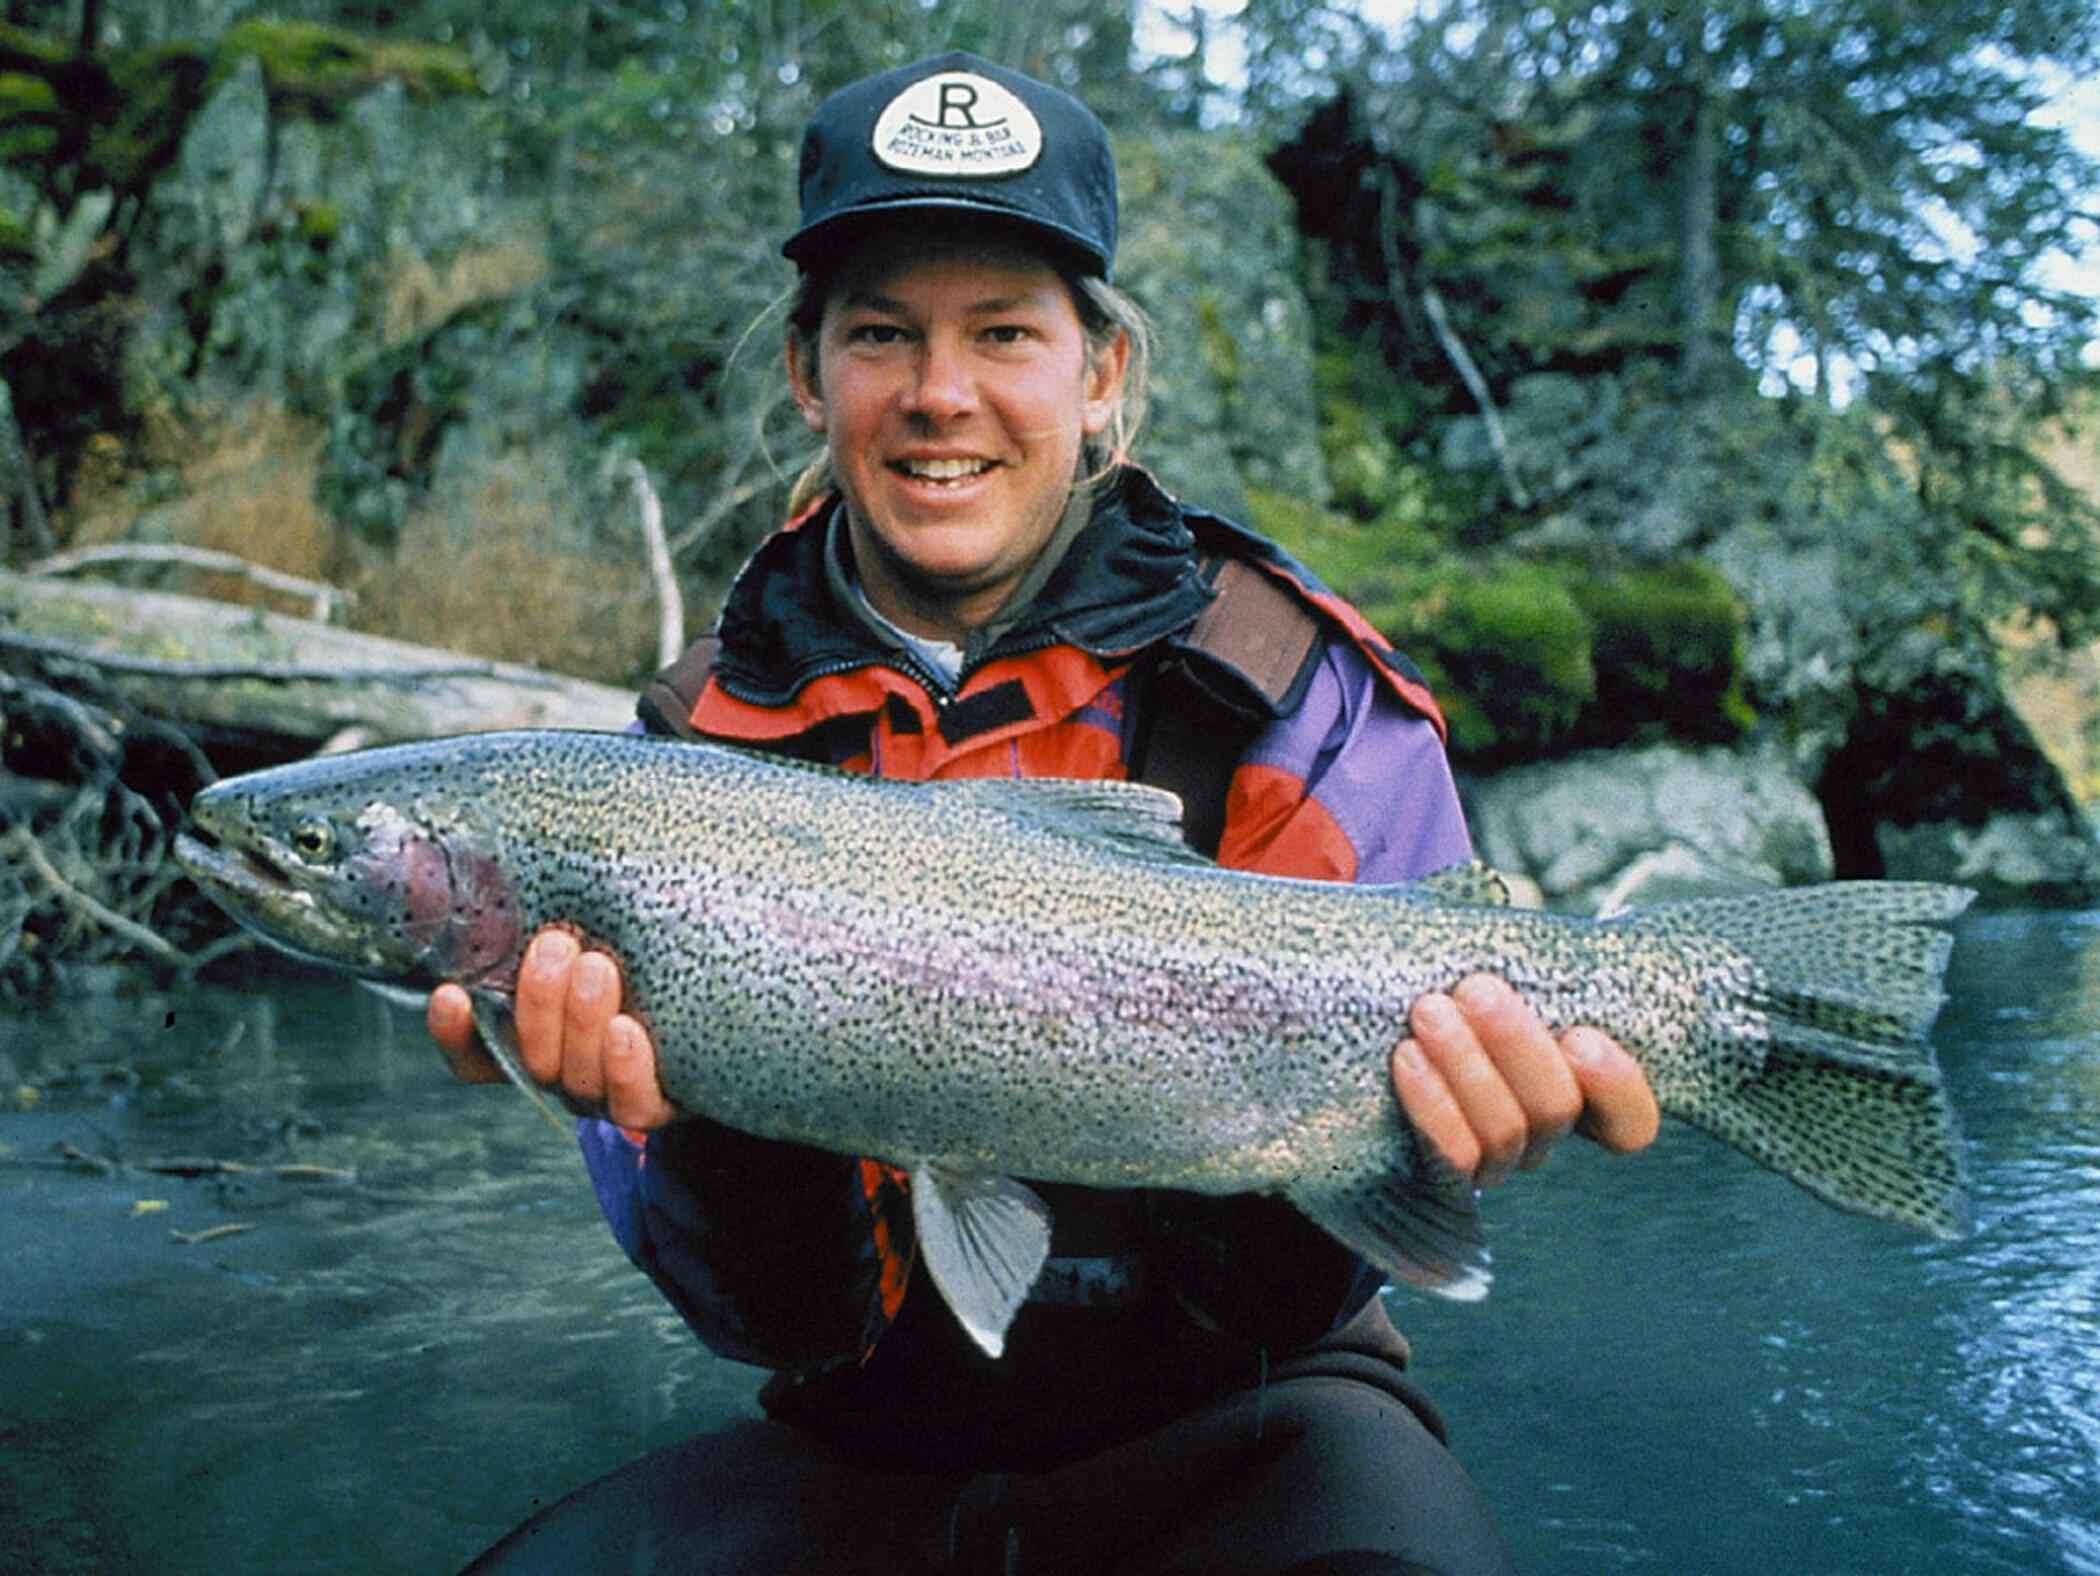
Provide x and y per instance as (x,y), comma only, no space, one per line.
(958,133)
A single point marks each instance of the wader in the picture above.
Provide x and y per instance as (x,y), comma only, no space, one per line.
(1334,1463)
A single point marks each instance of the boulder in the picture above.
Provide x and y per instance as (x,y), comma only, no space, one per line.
(2047,857)
(1210,250)
(1620,828)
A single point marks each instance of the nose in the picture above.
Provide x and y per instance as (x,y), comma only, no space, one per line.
(942,388)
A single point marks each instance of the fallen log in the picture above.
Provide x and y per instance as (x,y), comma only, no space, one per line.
(231,670)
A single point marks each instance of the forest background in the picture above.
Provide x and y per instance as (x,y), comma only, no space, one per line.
(1689,373)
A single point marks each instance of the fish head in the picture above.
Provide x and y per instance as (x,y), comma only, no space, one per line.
(353,877)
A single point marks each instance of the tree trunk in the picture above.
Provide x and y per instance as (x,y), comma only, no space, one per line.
(1699,266)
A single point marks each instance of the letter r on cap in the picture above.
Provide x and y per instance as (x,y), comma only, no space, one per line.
(960,97)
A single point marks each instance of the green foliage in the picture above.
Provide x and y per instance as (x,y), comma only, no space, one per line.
(1676,207)
(1533,656)
(1368,417)
(18,248)
(1669,650)
(155,95)
(28,108)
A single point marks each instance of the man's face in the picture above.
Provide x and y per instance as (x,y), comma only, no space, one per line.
(954,389)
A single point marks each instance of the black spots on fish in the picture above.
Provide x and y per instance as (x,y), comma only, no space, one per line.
(1843,982)
(1875,1140)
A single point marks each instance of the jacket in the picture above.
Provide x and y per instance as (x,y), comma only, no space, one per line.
(799,1260)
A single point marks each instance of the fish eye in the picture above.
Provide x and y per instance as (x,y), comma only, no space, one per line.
(313,840)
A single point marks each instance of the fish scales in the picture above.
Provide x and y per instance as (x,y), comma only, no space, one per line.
(990,980)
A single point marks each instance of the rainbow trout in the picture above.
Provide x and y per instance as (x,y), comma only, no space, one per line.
(992,980)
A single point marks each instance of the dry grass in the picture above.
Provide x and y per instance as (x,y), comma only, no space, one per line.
(495,581)
(492,570)
(242,482)
(416,297)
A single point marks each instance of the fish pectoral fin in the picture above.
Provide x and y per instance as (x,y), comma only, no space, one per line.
(407,998)
(499,1032)
(983,1239)
(1422,1228)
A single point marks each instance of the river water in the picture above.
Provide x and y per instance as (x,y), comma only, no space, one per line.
(1687,1366)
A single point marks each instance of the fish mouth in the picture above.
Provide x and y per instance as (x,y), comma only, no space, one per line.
(241,873)
(263,897)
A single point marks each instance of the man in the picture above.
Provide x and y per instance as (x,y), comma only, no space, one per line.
(980,584)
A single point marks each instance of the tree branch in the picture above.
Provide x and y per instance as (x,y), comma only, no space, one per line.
(263,673)
(670,603)
(1453,347)
(327,599)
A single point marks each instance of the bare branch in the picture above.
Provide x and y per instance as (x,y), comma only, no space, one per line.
(327,600)
(1453,347)
(20,842)
(725,504)
(670,603)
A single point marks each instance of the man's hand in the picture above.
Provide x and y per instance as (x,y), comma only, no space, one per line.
(1483,1080)
(571,1033)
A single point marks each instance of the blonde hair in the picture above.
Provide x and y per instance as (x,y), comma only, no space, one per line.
(1105,314)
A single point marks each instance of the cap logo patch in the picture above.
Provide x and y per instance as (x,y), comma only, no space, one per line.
(957,124)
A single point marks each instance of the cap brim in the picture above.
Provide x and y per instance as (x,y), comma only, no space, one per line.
(829,235)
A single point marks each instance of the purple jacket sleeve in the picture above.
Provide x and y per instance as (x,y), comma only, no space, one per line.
(765,1249)
(1353,785)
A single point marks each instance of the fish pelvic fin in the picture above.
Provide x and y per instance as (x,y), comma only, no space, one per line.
(1418,1222)
(1848,1100)
(499,1032)
(983,1239)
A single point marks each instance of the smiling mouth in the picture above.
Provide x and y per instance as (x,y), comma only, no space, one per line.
(947,472)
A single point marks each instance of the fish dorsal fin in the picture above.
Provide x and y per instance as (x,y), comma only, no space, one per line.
(1472,882)
(983,1239)
(1143,822)
(1419,1224)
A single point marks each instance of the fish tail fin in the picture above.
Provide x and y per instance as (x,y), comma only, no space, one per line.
(1845,1097)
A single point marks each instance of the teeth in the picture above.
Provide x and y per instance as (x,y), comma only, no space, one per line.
(944,470)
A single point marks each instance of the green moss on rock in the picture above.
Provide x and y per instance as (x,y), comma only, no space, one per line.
(313,69)
(1535,656)
(17,244)
(1670,651)
(319,224)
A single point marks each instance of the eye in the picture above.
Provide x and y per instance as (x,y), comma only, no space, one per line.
(875,334)
(313,840)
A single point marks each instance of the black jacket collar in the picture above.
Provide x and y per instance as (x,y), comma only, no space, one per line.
(1129,579)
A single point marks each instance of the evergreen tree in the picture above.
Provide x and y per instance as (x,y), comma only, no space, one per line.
(1831,201)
